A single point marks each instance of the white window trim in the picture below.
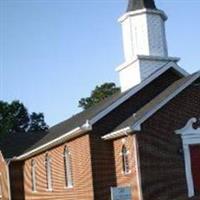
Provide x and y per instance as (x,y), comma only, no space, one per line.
(125,172)
(33,176)
(68,169)
(190,136)
(48,173)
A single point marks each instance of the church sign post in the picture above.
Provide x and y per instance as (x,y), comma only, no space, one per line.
(119,193)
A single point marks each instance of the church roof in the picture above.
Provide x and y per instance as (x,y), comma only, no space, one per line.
(14,144)
(149,107)
(134,5)
(78,120)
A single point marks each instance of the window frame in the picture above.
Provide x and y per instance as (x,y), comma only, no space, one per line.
(125,160)
(33,176)
(68,168)
(48,169)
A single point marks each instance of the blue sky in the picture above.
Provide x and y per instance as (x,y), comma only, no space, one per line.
(53,52)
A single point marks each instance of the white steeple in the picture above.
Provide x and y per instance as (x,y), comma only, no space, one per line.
(144,41)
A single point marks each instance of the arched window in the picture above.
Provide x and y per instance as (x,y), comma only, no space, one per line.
(125,161)
(48,172)
(68,168)
(33,175)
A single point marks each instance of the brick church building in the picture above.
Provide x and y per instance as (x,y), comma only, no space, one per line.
(142,143)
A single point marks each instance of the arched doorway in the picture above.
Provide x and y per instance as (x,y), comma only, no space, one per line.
(195,162)
(191,148)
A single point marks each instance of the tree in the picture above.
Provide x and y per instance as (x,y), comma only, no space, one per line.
(14,117)
(37,122)
(98,94)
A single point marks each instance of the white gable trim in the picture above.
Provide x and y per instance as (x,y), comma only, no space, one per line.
(137,125)
(189,136)
(138,88)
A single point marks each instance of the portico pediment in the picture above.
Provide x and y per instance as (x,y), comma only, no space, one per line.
(190,128)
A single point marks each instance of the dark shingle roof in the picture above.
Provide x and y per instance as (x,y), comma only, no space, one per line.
(154,102)
(140,4)
(19,143)
(76,120)
(14,144)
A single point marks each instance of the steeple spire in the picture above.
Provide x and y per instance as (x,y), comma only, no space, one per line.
(134,5)
(144,41)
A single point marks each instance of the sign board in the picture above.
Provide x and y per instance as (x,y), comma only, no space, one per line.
(120,193)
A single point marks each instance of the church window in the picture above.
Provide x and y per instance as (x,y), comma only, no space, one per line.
(48,172)
(33,175)
(68,168)
(125,160)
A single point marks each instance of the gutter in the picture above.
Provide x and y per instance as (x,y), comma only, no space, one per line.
(117,134)
(67,136)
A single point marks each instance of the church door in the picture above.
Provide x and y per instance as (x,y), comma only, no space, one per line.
(195,161)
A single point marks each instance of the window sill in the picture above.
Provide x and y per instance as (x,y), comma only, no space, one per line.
(49,190)
(69,187)
(126,173)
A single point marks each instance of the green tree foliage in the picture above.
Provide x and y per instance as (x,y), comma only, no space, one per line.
(14,117)
(98,94)
(37,122)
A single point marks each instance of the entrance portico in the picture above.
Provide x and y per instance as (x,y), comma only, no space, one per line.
(191,147)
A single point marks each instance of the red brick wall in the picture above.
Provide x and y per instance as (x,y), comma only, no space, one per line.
(81,170)
(161,156)
(3,179)
(103,167)
(16,180)
(131,179)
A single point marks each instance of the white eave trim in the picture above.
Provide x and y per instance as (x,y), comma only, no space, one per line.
(117,134)
(143,11)
(136,89)
(67,136)
(137,126)
(150,58)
